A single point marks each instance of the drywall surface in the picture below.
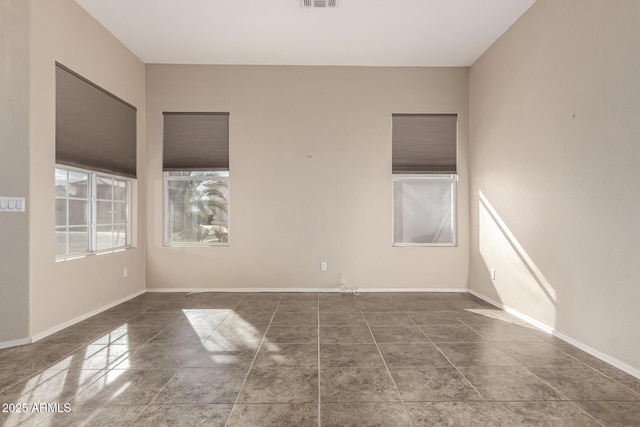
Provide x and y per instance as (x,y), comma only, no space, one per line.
(554,153)
(310,160)
(14,169)
(61,291)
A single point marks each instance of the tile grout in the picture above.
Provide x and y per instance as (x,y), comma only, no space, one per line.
(451,363)
(395,385)
(255,356)
(319,371)
(573,403)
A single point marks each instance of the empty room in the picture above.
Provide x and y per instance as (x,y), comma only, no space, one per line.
(319,213)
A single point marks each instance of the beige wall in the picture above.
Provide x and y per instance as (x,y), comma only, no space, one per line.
(62,31)
(14,169)
(554,149)
(288,211)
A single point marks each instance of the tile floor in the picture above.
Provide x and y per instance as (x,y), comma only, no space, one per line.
(298,359)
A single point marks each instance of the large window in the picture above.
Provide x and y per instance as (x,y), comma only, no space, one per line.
(197,207)
(196,178)
(92,212)
(95,165)
(424,179)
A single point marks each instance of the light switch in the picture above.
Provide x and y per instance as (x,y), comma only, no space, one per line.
(12,204)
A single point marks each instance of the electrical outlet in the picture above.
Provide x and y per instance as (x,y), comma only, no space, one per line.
(493,274)
(323,266)
(125,272)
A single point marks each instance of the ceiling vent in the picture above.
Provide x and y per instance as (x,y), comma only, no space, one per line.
(319,3)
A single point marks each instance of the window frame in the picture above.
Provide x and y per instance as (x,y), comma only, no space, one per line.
(166,177)
(94,205)
(453,179)
(66,198)
(92,213)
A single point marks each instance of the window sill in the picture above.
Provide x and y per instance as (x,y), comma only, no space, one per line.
(71,257)
(424,245)
(196,245)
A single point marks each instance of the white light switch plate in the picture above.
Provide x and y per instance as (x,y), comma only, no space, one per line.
(12,204)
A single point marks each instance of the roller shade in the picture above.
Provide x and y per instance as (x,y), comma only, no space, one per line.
(95,129)
(424,143)
(196,141)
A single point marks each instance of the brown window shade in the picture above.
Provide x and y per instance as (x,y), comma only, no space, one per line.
(94,129)
(196,141)
(424,143)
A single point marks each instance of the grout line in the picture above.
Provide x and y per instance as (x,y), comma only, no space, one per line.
(421,331)
(586,365)
(618,364)
(574,358)
(177,370)
(458,371)
(319,398)
(573,402)
(595,369)
(544,382)
(244,382)
(450,362)
(165,385)
(519,364)
(404,406)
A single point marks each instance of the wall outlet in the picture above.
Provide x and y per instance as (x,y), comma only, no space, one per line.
(323,266)
(493,274)
(342,280)
(125,272)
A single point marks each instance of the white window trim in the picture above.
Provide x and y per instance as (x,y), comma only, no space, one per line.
(91,198)
(453,178)
(80,254)
(94,200)
(165,209)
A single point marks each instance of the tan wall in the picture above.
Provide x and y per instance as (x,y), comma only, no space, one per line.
(62,31)
(554,149)
(290,212)
(14,168)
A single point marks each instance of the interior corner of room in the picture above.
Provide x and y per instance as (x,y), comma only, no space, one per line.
(546,195)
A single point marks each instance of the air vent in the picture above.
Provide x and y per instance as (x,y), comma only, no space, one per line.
(319,3)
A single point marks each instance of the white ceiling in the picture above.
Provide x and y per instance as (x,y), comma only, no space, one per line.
(281,32)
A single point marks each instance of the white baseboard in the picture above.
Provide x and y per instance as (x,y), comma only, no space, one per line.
(432,290)
(544,328)
(598,354)
(85,316)
(552,331)
(319,290)
(243,290)
(15,343)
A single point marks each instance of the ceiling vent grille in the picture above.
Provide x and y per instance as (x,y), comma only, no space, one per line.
(319,3)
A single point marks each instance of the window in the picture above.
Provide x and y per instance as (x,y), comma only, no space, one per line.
(92,212)
(424,179)
(196,178)
(72,212)
(424,209)
(95,164)
(197,207)
(111,212)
